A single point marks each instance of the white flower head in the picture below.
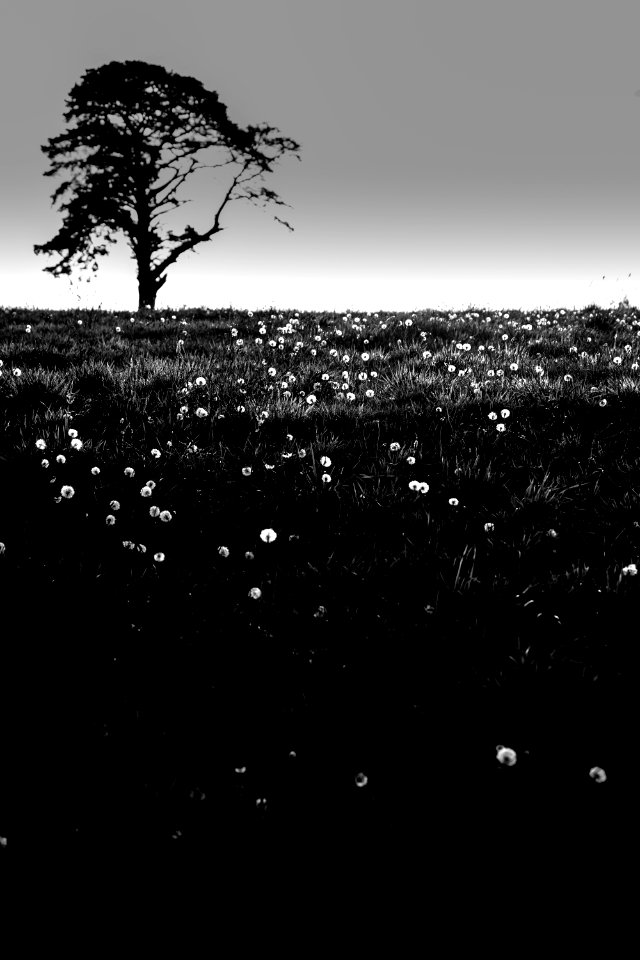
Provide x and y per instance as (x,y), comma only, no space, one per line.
(506,755)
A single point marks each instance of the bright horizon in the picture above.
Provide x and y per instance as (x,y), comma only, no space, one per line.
(453,154)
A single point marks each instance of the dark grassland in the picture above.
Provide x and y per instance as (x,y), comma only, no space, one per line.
(397,635)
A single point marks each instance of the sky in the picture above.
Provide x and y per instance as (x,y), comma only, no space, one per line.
(454,153)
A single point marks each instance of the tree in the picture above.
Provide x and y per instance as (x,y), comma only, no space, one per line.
(136,124)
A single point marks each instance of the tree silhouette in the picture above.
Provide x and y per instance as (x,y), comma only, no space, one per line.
(135,124)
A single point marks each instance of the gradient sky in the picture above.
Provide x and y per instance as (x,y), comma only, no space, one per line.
(454,152)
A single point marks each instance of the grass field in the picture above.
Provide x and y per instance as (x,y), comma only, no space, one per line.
(275,567)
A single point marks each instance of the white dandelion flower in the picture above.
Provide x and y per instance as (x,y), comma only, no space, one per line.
(597,774)
(506,755)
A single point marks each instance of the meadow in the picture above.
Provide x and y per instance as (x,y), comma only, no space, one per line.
(274,568)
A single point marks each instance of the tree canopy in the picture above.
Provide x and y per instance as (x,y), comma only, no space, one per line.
(134,132)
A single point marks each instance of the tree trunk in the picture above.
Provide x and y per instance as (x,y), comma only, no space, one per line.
(148,286)
(148,281)
(147,291)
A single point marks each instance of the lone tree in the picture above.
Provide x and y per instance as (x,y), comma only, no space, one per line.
(137,130)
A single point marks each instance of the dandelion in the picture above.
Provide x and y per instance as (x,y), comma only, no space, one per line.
(453,502)
(602,403)
(67,492)
(630,570)
(41,445)
(361,780)
(394,447)
(411,461)
(110,520)
(95,471)
(158,557)
(129,472)
(326,478)
(414,485)
(156,453)
(246,471)
(72,433)
(201,412)
(141,548)
(223,551)
(249,555)
(501,428)
(154,512)
(76,444)
(597,774)
(201,382)
(489,527)
(505,413)
(506,755)
(2,548)
(118,329)
(44,463)
(268,535)
(325,461)
(151,484)
(166,516)
(115,505)
(17,372)
(255,593)
(493,415)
